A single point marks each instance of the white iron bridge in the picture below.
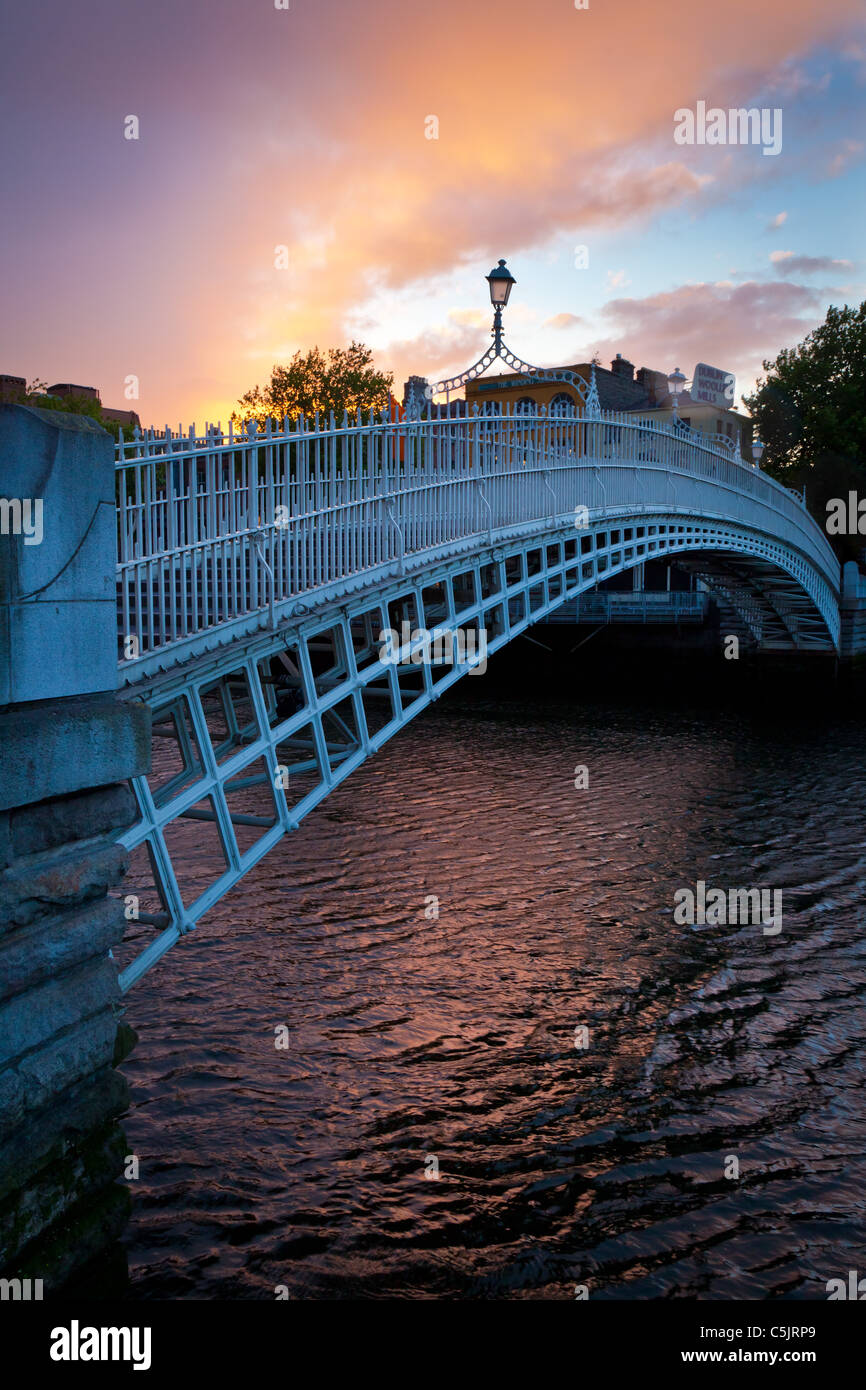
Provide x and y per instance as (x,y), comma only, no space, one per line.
(258,573)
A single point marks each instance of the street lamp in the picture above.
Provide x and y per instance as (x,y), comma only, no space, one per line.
(757,450)
(676,382)
(500,281)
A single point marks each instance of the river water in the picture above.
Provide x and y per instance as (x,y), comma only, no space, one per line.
(417,1043)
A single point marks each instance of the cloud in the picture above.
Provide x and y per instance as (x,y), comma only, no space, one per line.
(470,318)
(787,263)
(731,326)
(437,352)
(778,221)
(792,81)
(563,321)
(845,155)
(321,146)
(616,280)
(398,211)
(856,53)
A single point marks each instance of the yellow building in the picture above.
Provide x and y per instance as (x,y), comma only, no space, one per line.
(644,393)
(514,392)
(618,389)
(711,420)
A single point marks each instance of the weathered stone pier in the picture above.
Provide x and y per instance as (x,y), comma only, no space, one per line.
(67,749)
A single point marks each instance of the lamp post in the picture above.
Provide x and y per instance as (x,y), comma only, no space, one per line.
(676,382)
(757,450)
(500,281)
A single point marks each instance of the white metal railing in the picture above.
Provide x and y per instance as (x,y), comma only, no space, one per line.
(215,526)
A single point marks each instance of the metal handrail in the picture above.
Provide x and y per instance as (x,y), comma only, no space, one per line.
(196,512)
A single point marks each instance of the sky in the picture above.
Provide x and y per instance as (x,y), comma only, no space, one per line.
(396,150)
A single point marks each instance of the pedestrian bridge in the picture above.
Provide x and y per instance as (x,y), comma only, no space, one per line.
(258,572)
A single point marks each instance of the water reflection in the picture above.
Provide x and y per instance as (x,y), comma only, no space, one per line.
(412,1035)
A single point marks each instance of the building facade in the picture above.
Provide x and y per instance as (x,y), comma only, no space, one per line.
(13,391)
(643,393)
(119,417)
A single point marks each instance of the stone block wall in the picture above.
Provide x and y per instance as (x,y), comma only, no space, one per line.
(61,1148)
(68,747)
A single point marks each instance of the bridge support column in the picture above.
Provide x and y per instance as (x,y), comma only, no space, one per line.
(67,748)
(852,644)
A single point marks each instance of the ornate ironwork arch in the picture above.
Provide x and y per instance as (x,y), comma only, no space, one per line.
(589,395)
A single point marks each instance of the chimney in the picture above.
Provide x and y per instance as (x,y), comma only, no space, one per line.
(12,387)
(654,383)
(415,394)
(621,368)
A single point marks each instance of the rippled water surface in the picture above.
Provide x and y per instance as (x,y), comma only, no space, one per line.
(412,1039)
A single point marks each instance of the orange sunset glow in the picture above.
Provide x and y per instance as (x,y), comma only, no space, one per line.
(309,129)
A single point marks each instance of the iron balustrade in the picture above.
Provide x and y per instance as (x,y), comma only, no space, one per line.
(217,527)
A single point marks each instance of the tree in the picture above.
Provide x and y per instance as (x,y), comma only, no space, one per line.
(341,379)
(810,412)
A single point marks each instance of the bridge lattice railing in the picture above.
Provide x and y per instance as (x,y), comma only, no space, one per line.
(215,526)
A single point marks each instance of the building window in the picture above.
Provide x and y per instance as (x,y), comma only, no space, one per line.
(525,406)
(562,404)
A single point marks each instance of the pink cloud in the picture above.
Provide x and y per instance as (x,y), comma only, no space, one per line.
(847,153)
(394,209)
(730,326)
(788,263)
(262,131)
(563,321)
